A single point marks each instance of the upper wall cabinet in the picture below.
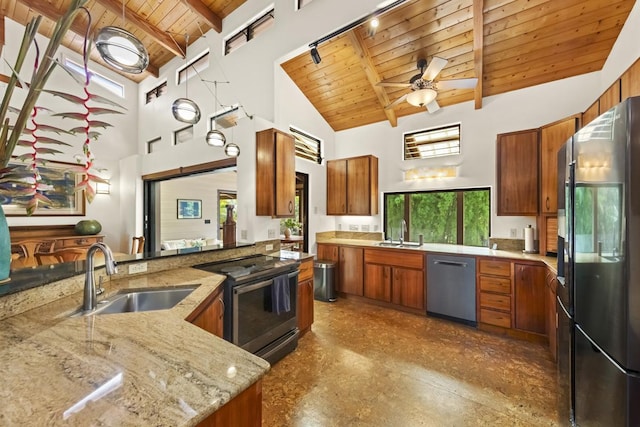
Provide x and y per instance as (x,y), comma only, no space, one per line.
(352,186)
(552,137)
(517,156)
(591,113)
(275,174)
(611,97)
(630,81)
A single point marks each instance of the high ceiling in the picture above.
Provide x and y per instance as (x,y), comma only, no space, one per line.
(506,44)
(161,25)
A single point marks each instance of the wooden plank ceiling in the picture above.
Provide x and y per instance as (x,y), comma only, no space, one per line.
(506,44)
(160,25)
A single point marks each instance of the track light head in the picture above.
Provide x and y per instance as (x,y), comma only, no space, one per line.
(315,55)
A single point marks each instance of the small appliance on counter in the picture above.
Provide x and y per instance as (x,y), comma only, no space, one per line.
(260,295)
(529,240)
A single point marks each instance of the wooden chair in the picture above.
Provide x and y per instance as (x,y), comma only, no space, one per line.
(137,245)
(27,250)
(61,255)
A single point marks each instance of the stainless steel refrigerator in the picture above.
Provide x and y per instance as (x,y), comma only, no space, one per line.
(602,269)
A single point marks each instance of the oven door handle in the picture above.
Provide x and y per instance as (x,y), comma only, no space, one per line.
(252,287)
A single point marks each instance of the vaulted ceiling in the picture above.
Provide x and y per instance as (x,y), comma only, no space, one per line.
(161,25)
(506,44)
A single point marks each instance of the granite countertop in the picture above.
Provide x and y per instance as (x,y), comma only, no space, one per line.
(299,256)
(129,369)
(551,262)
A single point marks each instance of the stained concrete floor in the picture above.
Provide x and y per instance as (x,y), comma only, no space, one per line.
(364,365)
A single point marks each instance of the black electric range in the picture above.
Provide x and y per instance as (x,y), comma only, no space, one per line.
(260,310)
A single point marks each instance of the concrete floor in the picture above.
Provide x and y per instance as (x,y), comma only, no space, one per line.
(364,365)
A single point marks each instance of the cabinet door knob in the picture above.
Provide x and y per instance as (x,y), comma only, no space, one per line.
(222,312)
(290,206)
(547,203)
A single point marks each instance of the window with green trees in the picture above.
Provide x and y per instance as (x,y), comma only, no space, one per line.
(451,216)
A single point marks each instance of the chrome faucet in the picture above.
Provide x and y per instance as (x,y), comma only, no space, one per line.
(403,230)
(90,300)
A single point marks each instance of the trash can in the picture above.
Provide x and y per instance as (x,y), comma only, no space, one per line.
(324,281)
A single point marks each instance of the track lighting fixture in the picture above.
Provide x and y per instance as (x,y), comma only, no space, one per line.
(315,55)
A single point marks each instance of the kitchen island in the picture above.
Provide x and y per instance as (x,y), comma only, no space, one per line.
(144,368)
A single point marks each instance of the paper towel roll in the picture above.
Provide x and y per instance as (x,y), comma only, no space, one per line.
(528,239)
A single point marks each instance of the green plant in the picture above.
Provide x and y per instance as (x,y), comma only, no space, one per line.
(290,223)
(29,131)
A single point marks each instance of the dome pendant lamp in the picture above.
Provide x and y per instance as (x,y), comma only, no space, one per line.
(122,50)
(215,138)
(184,109)
(232,149)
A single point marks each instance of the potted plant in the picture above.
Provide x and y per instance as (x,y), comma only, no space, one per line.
(289,225)
(21,124)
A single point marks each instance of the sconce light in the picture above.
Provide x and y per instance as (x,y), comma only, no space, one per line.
(103,187)
(430,173)
(315,55)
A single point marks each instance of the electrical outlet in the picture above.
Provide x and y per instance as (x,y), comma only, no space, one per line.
(271,233)
(376,227)
(353,227)
(269,247)
(513,233)
(137,268)
(243,234)
(315,210)
(365,227)
(339,227)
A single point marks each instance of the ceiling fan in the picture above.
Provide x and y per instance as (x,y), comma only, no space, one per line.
(424,88)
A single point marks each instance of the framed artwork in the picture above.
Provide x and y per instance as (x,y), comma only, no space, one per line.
(189,209)
(61,178)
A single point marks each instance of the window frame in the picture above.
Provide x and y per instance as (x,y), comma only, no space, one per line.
(151,142)
(427,131)
(100,79)
(183,74)
(248,31)
(459,213)
(178,131)
(156,92)
(305,138)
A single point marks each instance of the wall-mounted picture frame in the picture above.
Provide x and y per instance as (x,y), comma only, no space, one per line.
(189,209)
(61,177)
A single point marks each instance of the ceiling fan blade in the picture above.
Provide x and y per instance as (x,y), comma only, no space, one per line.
(435,66)
(393,84)
(397,101)
(433,106)
(457,84)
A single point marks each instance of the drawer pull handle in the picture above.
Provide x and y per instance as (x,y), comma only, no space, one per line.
(451,263)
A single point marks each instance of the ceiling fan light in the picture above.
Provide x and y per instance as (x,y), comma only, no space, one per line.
(185,110)
(421,97)
(122,50)
(215,138)
(232,150)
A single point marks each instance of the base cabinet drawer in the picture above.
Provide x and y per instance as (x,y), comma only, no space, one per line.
(495,284)
(495,318)
(496,268)
(495,301)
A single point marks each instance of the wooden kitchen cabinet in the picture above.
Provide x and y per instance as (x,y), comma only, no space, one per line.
(350,270)
(552,137)
(305,296)
(611,97)
(630,81)
(275,174)
(352,186)
(210,314)
(591,113)
(552,324)
(530,297)
(395,276)
(494,292)
(329,252)
(243,410)
(517,173)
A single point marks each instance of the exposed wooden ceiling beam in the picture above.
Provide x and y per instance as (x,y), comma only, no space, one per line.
(78,27)
(372,75)
(478,43)
(160,37)
(205,13)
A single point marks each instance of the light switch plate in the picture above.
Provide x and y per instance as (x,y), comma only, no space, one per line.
(353,227)
(272,233)
(513,233)
(269,247)
(243,234)
(365,227)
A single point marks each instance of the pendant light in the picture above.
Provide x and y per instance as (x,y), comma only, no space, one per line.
(184,109)
(122,50)
(232,149)
(215,138)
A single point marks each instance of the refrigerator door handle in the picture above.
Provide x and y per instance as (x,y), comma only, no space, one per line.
(599,350)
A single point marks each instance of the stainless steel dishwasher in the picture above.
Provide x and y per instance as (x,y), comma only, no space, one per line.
(451,287)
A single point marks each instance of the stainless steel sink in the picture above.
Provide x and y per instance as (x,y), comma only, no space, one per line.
(132,301)
(389,244)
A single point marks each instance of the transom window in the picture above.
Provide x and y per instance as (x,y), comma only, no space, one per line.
(302,3)
(152,145)
(307,146)
(193,67)
(257,26)
(434,142)
(459,217)
(183,135)
(99,79)
(156,92)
